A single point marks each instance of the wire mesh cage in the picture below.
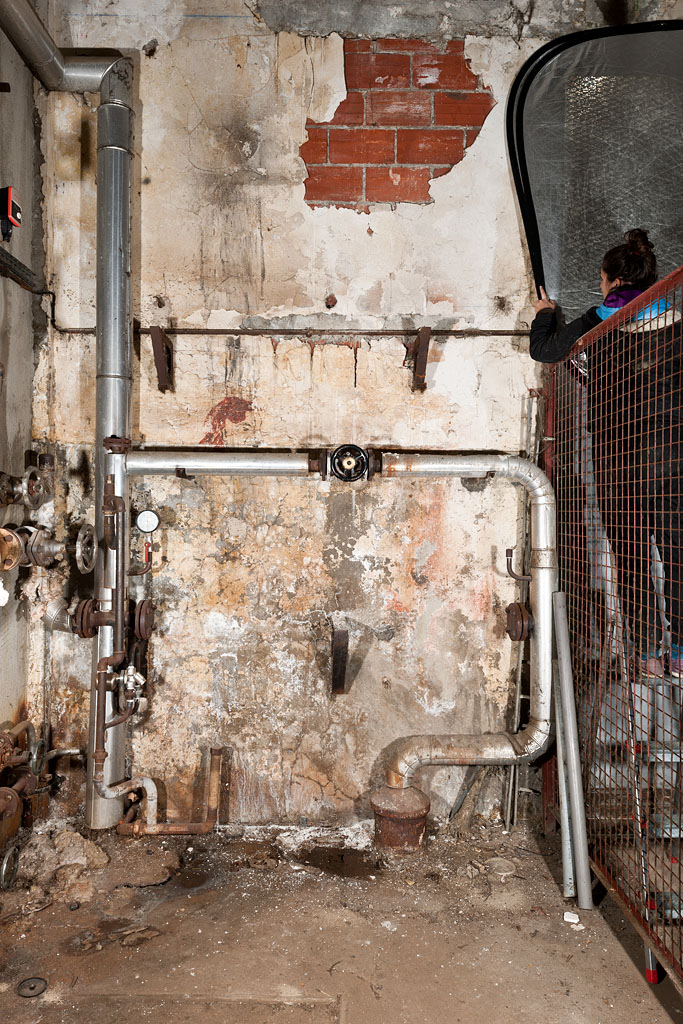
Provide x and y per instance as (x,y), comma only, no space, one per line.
(615,456)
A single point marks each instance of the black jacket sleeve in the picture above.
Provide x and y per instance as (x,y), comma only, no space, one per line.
(547,344)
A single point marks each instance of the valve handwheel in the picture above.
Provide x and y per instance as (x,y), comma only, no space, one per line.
(349,462)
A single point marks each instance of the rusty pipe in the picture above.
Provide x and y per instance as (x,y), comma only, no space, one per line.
(121,789)
(23,727)
(183,828)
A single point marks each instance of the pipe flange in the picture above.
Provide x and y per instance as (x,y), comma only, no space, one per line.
(349,462)
(519,622)
(33,490)
(86,549)
(117,445)
(84,625)
(11,550)
(29,781)
(144,620)
(9,865)
(9,802)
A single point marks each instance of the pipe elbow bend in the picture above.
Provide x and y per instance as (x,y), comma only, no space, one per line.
(533,740)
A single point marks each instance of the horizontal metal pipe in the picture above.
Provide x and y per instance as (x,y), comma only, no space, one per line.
(167,462)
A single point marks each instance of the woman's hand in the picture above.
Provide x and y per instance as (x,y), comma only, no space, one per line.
(543,303)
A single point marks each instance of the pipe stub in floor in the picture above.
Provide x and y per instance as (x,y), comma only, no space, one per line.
(400,817)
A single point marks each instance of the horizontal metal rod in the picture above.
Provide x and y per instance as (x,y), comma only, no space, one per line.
(315,332)
(169,461)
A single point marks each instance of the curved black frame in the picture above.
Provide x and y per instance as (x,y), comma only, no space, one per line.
(514,123)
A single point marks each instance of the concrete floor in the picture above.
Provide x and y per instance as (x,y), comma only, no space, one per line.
(265,929)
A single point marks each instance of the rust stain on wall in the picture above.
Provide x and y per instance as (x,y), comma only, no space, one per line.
(231,409)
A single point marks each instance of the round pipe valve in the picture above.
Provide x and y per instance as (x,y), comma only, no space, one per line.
(349,462)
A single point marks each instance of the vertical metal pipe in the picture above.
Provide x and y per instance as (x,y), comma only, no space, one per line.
(113,388)
(568,881)
(573,759)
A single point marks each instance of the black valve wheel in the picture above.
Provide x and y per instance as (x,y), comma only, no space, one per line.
(349,462)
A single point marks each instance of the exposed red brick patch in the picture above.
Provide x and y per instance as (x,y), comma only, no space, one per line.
(395,107)
(377,71)
(442,71)
(461,108)
(350,111)
(315,150)
(397,184)
(436,146)
(334,183)
(361,146)
(233,409)
(411,111)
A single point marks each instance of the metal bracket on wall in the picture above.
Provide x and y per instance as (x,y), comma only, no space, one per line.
(18,272)
(162,347)
(419,351)
(340,655)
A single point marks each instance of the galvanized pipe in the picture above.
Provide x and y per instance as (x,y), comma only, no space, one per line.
(116,792)
(56,69)
(571,736)
(113,390)
(169,461)
(414,752)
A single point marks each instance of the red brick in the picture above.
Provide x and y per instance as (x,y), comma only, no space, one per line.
(442,71)
(330,183)
(314,151)
(397,185)
(361,146)
(438,172)
(377,70)
(468,109)
(470,136)
(418,46)
(405,45)
(357,45)
(430,146)
(351,110)
(399,107)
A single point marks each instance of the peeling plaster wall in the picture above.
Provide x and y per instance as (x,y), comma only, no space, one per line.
(18,167)
(249,574)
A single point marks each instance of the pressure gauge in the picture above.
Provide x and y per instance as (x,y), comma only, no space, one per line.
(147,521)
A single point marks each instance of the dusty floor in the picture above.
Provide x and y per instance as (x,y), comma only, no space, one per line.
(262,929)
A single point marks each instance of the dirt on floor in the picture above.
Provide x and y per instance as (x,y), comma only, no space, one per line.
(310,926)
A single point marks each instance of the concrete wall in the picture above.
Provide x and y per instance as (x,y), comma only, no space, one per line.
(18,167)
(250,574)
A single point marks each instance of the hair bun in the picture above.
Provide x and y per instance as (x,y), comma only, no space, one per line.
(637,241)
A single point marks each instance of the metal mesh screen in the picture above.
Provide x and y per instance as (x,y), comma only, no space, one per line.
(617,463)
(596,148)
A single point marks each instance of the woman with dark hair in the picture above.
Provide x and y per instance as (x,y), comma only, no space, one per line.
(633,386)
(626,271)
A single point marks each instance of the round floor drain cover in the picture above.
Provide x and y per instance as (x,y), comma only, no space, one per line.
(32,987)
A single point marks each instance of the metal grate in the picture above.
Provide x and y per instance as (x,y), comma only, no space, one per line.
(616,459)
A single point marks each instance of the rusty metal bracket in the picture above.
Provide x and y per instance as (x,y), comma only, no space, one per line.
(18,272)
(419,350)
(162,347)
(340,656)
